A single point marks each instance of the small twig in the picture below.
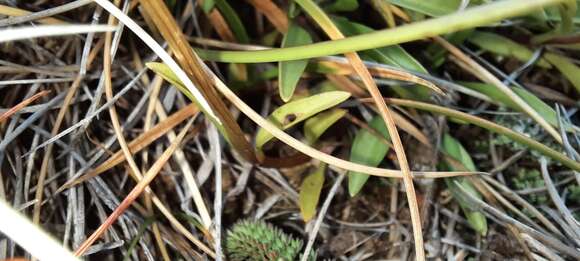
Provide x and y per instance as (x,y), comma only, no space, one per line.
(21,105)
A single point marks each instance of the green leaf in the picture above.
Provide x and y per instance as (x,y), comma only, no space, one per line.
(310,192)
(317,125)
(430,7)
(233,20)
(297,111)
(457,186)
(342,6)
(393,55)
(207,5)
(369,150)
(566,67)
(291,71)
(500,45)
(495,95)
(453,148)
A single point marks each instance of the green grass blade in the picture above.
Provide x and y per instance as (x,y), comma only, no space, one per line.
(500,45)
(472,17)
(499,97)
(515,136)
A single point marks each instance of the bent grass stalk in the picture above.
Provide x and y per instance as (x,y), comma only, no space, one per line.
(469,18)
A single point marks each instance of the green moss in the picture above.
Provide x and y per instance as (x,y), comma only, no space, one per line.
(257,240)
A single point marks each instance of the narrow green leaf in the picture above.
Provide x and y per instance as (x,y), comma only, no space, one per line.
(133,243)
(167,74)
(430,7)
(369,150)
(233,20)
(500,45)
(493,127)
(310,192)
(297,111)
(495,95)
(317,125)
(566,67)
(291,71)
(453,148)
(342,6)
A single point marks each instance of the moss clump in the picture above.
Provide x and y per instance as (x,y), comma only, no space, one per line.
(530,179)
(257,240)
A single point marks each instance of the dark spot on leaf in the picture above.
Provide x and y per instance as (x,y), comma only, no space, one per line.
(289,118)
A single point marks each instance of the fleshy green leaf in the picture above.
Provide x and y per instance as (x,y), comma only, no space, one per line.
(310,192)
(457,186)
(342,6)
(291,71)
(317,125)
(297,111)
(495,95)
(430,7)
(500,45)
(369,150)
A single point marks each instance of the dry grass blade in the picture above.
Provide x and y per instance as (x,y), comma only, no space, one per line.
(274,14)
(43,14)
(48,152)
(21,105)
(136,145)
(383,73)
(194,70)
(332,31)
(137,190)
(13,11)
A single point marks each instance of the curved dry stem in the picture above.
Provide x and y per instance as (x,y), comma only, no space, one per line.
(331,30)
(313,153)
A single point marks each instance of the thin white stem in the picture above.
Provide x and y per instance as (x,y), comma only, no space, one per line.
(30,237)
(29,32)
